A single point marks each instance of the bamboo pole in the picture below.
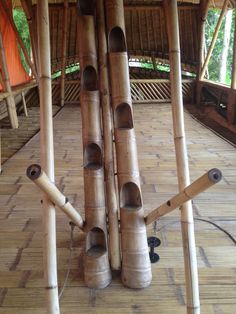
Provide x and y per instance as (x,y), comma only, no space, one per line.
(19,39)
(30,16)
(11,106)
(111,197)
(38,176)
(214,38)
(24,104)
(47,157)
(64,52)
(203,183)
(187,225)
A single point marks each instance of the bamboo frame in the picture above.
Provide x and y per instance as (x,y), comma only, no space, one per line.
(97,273)
(136,268)
(111,197)
(24,104)
(35,174)
(19,39)
(47,157)
(64,51)
(187,225)
(203,183)
(10,101)
(214,38)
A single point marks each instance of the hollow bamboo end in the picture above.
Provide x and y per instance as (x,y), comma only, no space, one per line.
(214,175)
(34,171)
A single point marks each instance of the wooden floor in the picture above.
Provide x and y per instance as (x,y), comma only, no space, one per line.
(20,223)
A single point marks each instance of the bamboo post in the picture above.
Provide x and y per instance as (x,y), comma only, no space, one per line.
(97,273)
(214,38)
(64,52)
(24,104)
(35,173)
(30,16)
(111,197)
(203,183)
(187,225)
(136,267)
(47,157)
(11,106)
(19,39)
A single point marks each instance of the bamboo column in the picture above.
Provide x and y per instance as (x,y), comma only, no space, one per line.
(47,156)
(97,271)
(64,51)
(136,268)
(10,101)
(111,197)
(190,259)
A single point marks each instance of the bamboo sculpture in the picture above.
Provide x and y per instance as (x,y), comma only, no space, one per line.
(136,268)
(97,271)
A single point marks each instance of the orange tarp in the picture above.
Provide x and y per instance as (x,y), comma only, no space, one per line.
(16,70)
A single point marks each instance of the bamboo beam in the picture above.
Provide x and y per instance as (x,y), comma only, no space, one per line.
(203,183)
(38,176)
(187,225)
(30,16)
(19,39)
(10,101)
(47,157)
(64,51)
(24,104)
(214,38)
(111,197)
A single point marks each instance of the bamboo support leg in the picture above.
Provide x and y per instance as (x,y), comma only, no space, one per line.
(24,104)
(190,259)
(203,183)
(47,158)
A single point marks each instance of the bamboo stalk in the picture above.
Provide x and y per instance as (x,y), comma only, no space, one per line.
(203,183)
(111,197)
(11,106)
(24,104)
(190,259)
(47,157)
(38,176)
(214,38)
(64,52)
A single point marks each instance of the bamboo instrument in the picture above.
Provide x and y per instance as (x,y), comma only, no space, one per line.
(35,173)
(97,271)
(136,268)
(212,177)
(47,156)
(187,225)
(11,106)
(111,197)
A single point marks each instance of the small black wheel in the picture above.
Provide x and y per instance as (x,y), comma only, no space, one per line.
(154,242)
(154,257)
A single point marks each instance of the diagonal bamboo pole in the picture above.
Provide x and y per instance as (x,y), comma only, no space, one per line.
(47,157)
(64,50)
(212,45)
(11,106)
(190,259)
(111,197)
(19,39)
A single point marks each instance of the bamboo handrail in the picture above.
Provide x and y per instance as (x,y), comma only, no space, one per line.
(203,183)
(39,177)
(187,225)
(18,89)
(212,45)
(47,157)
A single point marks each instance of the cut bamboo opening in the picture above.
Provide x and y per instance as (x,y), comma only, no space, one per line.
(35,173)
(203,183)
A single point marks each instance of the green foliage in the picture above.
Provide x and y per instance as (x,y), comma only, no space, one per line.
(214,63)
(23,29)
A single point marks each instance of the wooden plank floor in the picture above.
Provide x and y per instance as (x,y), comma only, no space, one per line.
(20,223)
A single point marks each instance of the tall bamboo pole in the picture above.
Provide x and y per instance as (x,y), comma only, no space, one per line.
(190,259)
(64,51)
(19,39)
(47,157)
(212,45)
(111,197)
(11,106)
